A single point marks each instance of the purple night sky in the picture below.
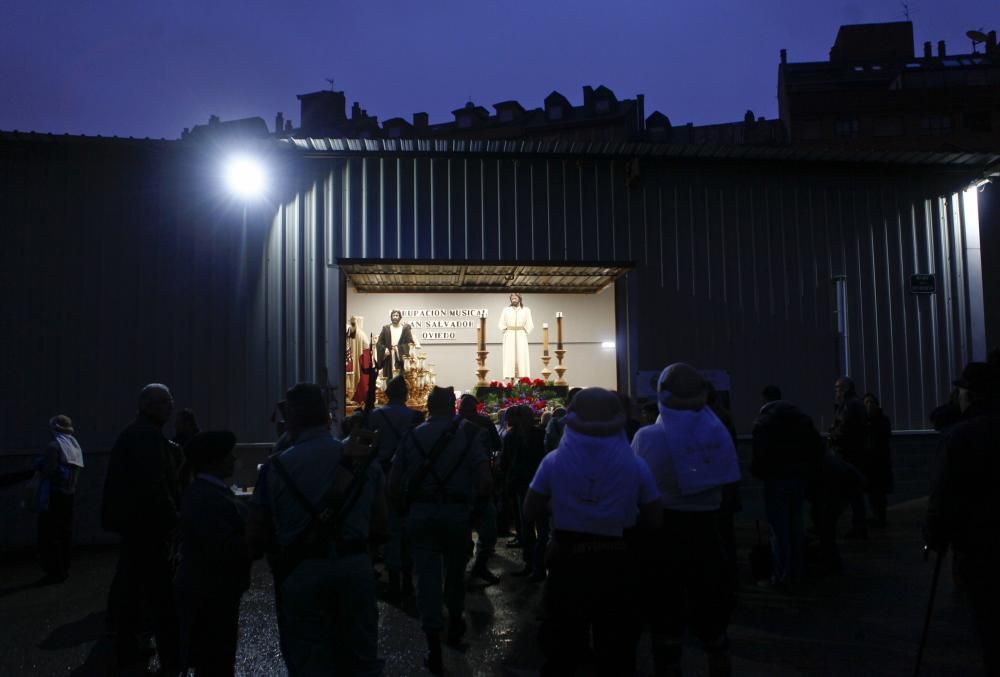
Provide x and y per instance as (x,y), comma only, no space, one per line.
(127,68)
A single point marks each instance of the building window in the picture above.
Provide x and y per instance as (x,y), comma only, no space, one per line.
(977,121)
(847,127)
(555,112)
(888,127)
(935,124)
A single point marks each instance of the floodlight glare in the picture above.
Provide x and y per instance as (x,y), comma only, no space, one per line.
(244,177)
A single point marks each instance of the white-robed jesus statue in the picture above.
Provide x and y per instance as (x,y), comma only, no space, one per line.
(515,323)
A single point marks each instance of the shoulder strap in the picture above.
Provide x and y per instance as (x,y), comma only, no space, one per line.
(296,492)
(353,494)
(430,459)
(329,517)
(443,482)
(388,422)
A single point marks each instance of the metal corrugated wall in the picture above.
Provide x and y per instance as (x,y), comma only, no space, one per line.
(121,266)
(734,260)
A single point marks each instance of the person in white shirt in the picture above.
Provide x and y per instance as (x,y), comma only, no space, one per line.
(595,489)
(692,456)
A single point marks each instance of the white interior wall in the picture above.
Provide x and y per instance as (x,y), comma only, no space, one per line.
(588,321)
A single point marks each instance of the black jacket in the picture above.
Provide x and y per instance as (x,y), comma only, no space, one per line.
(962,508)
(142,485)
(847,434)
(214,558)
(878,462)
(786,443)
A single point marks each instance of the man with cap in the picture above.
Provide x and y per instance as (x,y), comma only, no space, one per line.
(392,421)
(140,503)
(325,501)
(848,439)
(437,474)
(595,489)
(59,467)
(214,568)
(962,510)
(692,456)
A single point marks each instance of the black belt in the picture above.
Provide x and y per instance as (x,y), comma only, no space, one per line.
(577,543)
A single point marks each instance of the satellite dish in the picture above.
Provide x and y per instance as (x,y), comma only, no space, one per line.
(976,36)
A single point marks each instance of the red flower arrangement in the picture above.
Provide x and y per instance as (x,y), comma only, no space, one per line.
(525,391)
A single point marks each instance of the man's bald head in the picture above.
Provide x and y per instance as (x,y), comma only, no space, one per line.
(156,403)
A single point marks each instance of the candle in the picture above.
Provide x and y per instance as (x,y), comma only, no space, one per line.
(479,338)
(482,332)
(559,318)
(545,339)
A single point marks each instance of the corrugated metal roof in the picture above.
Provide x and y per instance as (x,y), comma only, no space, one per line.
(368,275)
(329,146)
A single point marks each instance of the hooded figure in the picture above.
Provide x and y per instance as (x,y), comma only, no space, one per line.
(597,490)
(689,450)
(684,575)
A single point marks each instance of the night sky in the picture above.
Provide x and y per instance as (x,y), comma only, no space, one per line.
(141,68)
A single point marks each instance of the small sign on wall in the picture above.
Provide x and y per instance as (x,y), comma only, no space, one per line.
(922,283)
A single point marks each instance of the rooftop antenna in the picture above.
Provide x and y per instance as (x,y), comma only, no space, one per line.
(977,37)
(330,82)
(906,10)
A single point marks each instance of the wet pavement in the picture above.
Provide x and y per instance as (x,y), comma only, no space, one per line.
(865,621)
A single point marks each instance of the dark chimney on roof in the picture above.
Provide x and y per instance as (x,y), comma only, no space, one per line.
(991,41)
(784,56)
(279,123)
(288,126)
(355,111)
(321,112)
(421,120)
(928,50)
(941,50)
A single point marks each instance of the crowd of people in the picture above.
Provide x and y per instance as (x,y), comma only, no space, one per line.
(603,505)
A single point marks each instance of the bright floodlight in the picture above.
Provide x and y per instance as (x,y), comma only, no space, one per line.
(244,177)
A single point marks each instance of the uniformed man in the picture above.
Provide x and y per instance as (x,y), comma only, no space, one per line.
(597,489)
(214,568)
(140,503)
(485,512)
(438,472)
(392,421)
(325,503)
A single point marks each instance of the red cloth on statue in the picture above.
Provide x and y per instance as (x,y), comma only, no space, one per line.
(366,363)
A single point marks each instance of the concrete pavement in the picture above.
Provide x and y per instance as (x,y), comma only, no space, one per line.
(865,621)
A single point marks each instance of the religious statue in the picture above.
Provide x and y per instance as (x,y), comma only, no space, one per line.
(395,341)
(515,323)
(358,356)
